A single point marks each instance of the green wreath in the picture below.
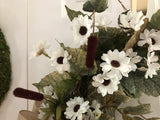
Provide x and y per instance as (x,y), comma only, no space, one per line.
(5,67)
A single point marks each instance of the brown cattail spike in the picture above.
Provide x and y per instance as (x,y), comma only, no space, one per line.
(28,94)
(91,51)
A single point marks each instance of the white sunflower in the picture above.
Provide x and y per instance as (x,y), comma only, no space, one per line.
(116,62)
(132,20)
(152,38)
(134,58)
(152,64)
(60,60)
(48,90)
(106,84)
(75,108)
(39,49)
(82,28)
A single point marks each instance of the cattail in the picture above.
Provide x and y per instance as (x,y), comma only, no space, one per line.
(27,94)
(91,51)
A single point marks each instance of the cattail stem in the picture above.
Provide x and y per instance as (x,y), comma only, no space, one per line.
(122,5)
(28,94)
(91,51)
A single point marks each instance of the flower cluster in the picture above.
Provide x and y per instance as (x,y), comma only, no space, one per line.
(107,63)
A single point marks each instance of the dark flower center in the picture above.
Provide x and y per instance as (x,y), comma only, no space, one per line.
(92,109)
(60,60)
(106,82)
(83,30)
(76,108)
(115,63)
(153,41)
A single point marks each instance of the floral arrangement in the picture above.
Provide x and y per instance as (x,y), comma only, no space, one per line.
(110,66)
(5,67)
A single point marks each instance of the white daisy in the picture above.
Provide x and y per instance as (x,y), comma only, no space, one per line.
(134,58)
(152,64)
(116,62)
(152,38)
(60,60)
(48,90)
(39,49)
(102,21)
(82,28)
(132,20)
(75,108)
(106,84)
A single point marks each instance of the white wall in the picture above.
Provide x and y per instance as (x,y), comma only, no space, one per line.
(24,22)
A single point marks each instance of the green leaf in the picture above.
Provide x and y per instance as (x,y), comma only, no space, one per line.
(137,110)
(126,117)
(97,5)
(53,79)
(72,14)
(58,112)
(113,38)
(155,20)
(136,84)
(78,61)
(116,99)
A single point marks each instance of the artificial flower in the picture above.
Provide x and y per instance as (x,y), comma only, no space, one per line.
(152,64)
(60,60)
(48,90)
(132,20)
(82,28)
(134,58)
(75,108)
(106,84)
(39,49)
(116,62)
(95,107)
(152,38)
(102,21)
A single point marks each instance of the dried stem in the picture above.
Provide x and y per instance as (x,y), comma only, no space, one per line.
(122,5)
(94,21)
(46,55)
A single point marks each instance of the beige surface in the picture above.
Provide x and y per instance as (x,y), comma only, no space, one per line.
(24,22)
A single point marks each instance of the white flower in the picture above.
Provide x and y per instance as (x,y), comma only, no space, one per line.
(102,21)
(134,58)
(39,49)
(152,38)
(82,28)
(75,108)
(132,20)
(48,90)
(116,62)
(152,65)
(60,60)
(106,84)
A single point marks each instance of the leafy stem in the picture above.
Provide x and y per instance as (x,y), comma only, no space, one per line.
(46,55)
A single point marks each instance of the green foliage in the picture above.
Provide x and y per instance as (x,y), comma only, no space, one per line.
(97,5)
(78,61)
(58,113)
(136,110)
(155,20)
(72,14)
(136,84)
(63,84)
(113,38)
(5,67)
